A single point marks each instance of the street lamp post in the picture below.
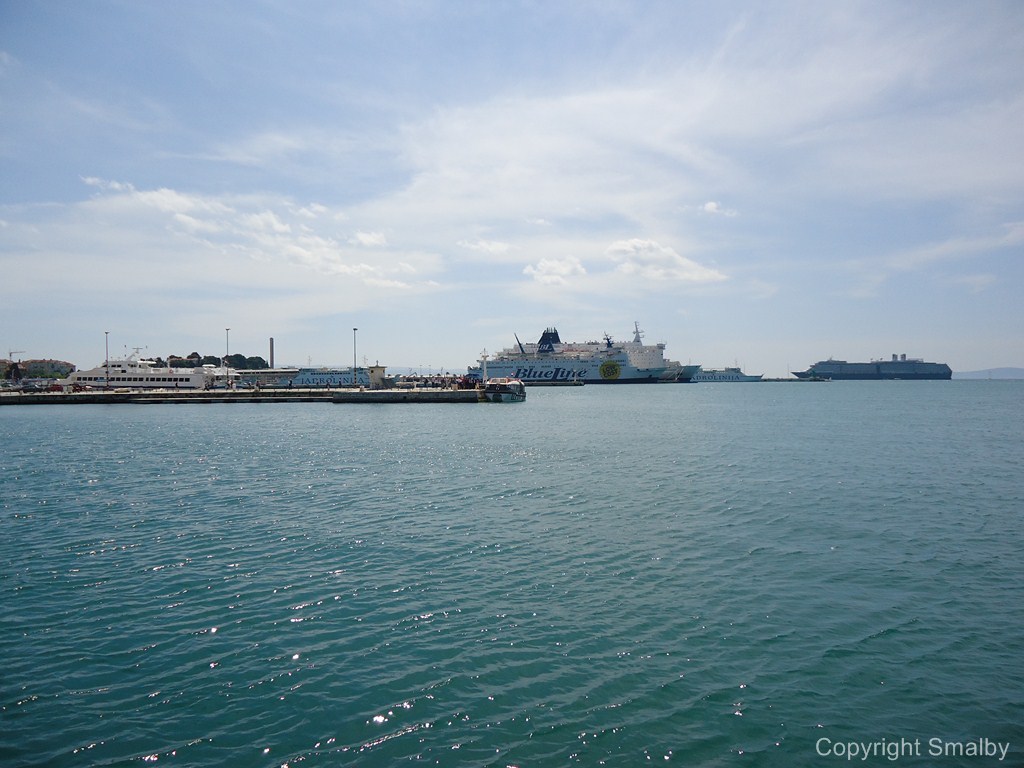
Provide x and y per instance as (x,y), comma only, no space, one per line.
(354,383)
(106,358)
(227,354)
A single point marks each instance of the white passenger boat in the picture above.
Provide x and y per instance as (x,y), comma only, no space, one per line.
(133,372)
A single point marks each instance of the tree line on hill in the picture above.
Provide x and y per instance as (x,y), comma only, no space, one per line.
(195,360)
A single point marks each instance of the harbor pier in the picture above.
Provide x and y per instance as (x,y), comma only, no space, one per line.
(260,395)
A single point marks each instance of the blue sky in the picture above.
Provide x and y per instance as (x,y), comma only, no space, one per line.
(765,184)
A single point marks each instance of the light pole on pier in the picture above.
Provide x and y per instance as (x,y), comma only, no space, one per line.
(354,382)
(227,353)
(106,358)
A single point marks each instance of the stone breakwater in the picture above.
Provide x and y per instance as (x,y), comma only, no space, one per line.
(245,396)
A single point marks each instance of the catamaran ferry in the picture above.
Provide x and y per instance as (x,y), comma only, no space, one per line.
(135,373)
(551,361)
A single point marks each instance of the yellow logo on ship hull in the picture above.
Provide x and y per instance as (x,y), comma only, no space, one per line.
(610,370)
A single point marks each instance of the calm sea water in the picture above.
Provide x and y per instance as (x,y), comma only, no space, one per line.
(719,575)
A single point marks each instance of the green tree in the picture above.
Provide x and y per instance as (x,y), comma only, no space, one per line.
(195,360)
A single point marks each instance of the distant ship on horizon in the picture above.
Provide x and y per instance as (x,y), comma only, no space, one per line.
(899,367)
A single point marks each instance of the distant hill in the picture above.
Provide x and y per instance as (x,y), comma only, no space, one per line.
(991,373)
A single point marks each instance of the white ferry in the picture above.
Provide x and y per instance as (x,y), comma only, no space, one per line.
(724,374)
(679,373)
(553,362)
(326,377)
(135,373)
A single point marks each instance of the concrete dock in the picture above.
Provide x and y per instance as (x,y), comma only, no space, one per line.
(264,395)
(409,396)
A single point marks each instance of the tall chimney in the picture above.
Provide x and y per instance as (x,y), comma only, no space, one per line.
(271,351)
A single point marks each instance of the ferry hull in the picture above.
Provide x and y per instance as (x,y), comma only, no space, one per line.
(541,372)
(724,376)
(326,377)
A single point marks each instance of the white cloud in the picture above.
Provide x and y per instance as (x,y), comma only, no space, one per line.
(555,271)
(266,221)
(716,209)
(957,248)
(106,184)
(311,211)
(649,260)
(162,240)
(368,239)
(262,149)
(490,247)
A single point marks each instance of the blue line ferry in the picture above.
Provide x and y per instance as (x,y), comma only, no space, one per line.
(551,361)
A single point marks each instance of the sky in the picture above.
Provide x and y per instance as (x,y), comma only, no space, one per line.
(755,184)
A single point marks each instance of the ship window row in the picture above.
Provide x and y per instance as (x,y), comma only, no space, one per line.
(171,379)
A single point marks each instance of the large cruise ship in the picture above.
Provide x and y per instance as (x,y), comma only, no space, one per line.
(900,367)
(552,361)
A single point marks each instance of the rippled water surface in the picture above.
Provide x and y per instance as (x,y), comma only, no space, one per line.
(687,574)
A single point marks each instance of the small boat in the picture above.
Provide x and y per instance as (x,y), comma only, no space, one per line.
(504,390)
